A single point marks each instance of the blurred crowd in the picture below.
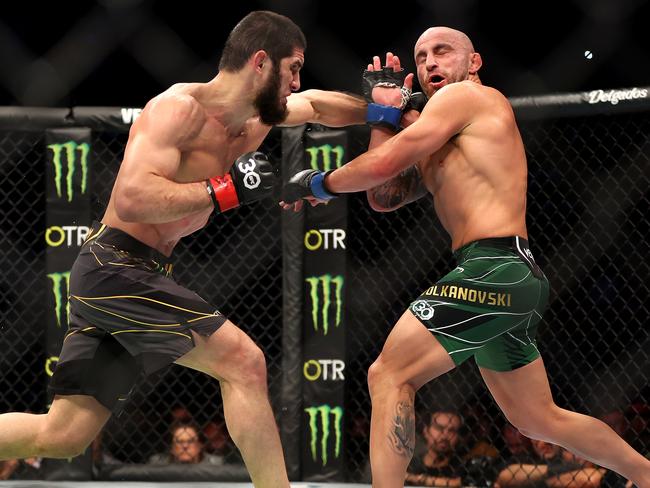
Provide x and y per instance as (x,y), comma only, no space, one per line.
(455,448)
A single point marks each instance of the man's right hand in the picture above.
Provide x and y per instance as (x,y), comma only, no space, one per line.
(251,178)
(387,85)
(387,90)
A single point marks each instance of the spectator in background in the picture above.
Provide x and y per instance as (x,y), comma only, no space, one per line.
(186,447)
(482,457)
(639,421)
(553,467)
(518,446)
(479,438)
(101,455)
(218,442)
(616,420)
(179,413)
(441,464)
(21,469)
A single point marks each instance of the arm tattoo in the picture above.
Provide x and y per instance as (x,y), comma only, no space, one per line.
(402,435)
(404,188)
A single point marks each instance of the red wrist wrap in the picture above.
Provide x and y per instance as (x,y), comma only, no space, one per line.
(224,192)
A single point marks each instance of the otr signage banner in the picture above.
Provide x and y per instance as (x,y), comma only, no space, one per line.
(324,304)
(68,217)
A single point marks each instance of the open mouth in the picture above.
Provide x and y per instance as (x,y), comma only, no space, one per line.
(436,79)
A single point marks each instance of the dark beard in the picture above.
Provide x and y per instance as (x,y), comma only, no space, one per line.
(267,102)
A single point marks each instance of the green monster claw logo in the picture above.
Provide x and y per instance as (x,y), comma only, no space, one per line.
(59,297)
(325,282)
(71,149)
(325,412)
(326,150)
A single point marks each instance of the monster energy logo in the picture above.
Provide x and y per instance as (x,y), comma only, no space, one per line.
(323,285)
(326,150)
(59,297)
(326,423)
(71,149)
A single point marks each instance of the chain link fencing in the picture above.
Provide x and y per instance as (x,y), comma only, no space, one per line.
(587,218)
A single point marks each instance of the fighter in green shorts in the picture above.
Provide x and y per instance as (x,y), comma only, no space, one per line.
(489,305)
(459,144)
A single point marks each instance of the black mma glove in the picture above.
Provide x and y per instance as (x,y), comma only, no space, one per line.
(417,101)
(384,115)
(307,183)
(251,178)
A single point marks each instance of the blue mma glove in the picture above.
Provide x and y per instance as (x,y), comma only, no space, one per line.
(384,115)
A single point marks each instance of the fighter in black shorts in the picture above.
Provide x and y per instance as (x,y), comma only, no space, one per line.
(127,317)
(189,154)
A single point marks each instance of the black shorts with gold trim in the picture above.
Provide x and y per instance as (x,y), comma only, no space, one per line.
(127,317)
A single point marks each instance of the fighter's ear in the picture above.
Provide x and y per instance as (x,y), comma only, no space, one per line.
(475,63)
(259,58)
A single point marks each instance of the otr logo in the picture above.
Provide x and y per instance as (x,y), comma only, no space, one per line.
(325,238)
(71,149)
(327,151)
(55,235)
(328,369)
(59,297)
(325,285)
(323,413)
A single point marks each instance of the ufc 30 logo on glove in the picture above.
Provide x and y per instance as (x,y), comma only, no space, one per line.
(251,178)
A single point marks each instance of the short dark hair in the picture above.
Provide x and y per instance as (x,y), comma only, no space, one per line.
(274,33)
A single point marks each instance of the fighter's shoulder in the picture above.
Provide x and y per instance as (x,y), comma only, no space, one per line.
(464,90)
(178,104)
(174,109)
(474,98)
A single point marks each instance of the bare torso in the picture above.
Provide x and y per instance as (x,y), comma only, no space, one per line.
(479,177)
(210,151)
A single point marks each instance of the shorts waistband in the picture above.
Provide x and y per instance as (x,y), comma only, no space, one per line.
(125,242)
(515,243)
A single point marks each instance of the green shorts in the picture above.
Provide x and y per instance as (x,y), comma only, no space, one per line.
(489,305)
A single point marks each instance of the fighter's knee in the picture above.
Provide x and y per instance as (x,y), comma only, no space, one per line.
(250,365)
(379,374)
(539,424)
(524,423)
(374,373)
(255,364)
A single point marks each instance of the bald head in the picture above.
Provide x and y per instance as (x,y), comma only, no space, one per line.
(455,37)
(443,56)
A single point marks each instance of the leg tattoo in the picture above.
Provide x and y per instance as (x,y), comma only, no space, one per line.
(402,434)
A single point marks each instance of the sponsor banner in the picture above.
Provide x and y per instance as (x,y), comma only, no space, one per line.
(608,101)
(615,96)
(324,303)
(323,438)
(324,370)
(324,268)
(117,119)
(68,219)
(325,239)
